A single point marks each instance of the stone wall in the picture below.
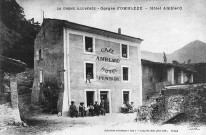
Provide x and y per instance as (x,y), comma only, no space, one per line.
(153,111)
(168,104)
(4,98)
(175,105)
(6,114)
(153,78)
(196,107)
(50,40)
(24,104)
(190,100)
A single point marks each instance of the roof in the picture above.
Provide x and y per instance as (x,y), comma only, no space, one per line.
(80,27)
(11,65)
(148,62)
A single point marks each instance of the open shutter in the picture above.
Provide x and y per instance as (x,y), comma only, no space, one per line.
(37,55)
(41,77)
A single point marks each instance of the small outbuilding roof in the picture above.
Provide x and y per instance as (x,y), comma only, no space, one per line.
(80,27)
(148,62)
(11,65)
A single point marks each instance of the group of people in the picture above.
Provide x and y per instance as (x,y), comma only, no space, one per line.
(127,108)
(92,110)
(97,109)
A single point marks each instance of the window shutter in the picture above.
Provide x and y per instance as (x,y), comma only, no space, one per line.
(40,77)
(37,55)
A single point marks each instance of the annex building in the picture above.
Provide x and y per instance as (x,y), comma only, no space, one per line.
(87,64)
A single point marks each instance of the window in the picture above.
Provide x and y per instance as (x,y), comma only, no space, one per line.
(125,73)
(89,71)
(124,51)
(126,95)
(39,54)
(89,45)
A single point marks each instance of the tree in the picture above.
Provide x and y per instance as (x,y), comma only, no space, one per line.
(12,15)
(164,57)
(175,62)
(189,61)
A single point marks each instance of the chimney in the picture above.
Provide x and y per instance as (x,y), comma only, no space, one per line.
(119,30)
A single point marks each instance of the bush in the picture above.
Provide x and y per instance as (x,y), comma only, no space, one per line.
(25,81)
(51,93)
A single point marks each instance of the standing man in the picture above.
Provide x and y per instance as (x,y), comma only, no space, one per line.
(106,105)
(102,102)
(82,111)
(73,110)
(96,109)
(102,110)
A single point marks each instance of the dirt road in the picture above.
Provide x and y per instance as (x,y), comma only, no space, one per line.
(111,124)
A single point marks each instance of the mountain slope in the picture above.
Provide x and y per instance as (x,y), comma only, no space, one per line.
(196,51)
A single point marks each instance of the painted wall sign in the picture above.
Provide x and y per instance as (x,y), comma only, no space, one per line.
(107,59)
(110,71)
(110,50)
(105,78)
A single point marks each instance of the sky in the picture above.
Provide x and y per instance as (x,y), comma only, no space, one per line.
(161,30)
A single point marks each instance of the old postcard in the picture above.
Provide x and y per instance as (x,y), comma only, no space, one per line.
(103,67)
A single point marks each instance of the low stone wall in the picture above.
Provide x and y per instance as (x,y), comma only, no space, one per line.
(24,103)
(4,98)
(196,107)
(6,114)
(190,100)
(153,111)
(175,105)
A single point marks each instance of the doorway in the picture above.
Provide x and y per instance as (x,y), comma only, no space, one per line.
(90,97)
(105,97)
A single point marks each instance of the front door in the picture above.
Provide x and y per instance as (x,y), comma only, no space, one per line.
(105,96)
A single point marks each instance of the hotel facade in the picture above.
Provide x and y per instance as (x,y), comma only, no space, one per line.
(88,64)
